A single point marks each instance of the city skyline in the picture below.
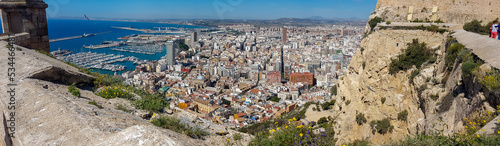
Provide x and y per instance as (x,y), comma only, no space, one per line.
(213,9)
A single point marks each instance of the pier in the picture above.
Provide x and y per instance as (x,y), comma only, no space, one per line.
(76,37)
(150,30)
(150,50)
(107,44)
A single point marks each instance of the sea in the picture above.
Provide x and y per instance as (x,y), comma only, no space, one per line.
(61,28)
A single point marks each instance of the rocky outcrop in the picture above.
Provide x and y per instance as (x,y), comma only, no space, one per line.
(437,99)
(365,87)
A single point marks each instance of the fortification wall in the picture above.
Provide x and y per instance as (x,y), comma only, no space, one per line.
(449,11)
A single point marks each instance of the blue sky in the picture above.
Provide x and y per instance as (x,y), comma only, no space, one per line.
(210,9)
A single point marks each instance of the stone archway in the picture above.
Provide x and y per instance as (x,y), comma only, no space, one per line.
(29,17)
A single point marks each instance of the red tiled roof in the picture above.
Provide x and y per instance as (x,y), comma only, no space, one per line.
(241,114)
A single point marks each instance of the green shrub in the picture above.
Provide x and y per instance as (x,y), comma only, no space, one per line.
(439,21)
(403,116)
(491,80)
(176,125)
(326,105)
(452,51)
(73,90)
(297,113)
(114,92)
(416,54)
(360,119)
(291,133)
(383,100)
(373,22)
(106,80)
(467,68)
(347,102)
(95,104)
(475,26)
(388,22)
(382,126)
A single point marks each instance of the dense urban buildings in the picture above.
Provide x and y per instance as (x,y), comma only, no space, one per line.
(261,72)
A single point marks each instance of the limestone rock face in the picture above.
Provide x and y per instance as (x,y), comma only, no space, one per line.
(365,87)
(436,100)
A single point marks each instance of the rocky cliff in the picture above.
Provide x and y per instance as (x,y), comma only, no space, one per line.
(437,99)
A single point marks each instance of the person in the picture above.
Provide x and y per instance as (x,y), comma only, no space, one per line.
(494,29)
(498,31)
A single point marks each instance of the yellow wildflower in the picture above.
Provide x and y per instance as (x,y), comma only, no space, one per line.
(228,139)
(294,119)
(286,126)
(301,134)
(278,128)
(275,123)
(310,127)
(478,136)
(289,120)
(466,127)
(482,129)
(484,121)
(498,132)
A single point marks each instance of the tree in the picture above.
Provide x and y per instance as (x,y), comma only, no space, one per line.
(333,90)
(322,120)
(373,22)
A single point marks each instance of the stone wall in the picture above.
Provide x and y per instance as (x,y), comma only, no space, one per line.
(449,11)
(27,16)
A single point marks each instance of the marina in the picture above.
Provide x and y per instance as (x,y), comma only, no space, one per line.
(97,61)
(149,50)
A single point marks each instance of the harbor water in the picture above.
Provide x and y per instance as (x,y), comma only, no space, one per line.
(59,28)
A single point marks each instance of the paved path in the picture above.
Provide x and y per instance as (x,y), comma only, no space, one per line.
(489,129)
(486,48)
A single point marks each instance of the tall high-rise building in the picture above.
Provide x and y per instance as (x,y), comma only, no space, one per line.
(284,34)
(170,53)
(193,39)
